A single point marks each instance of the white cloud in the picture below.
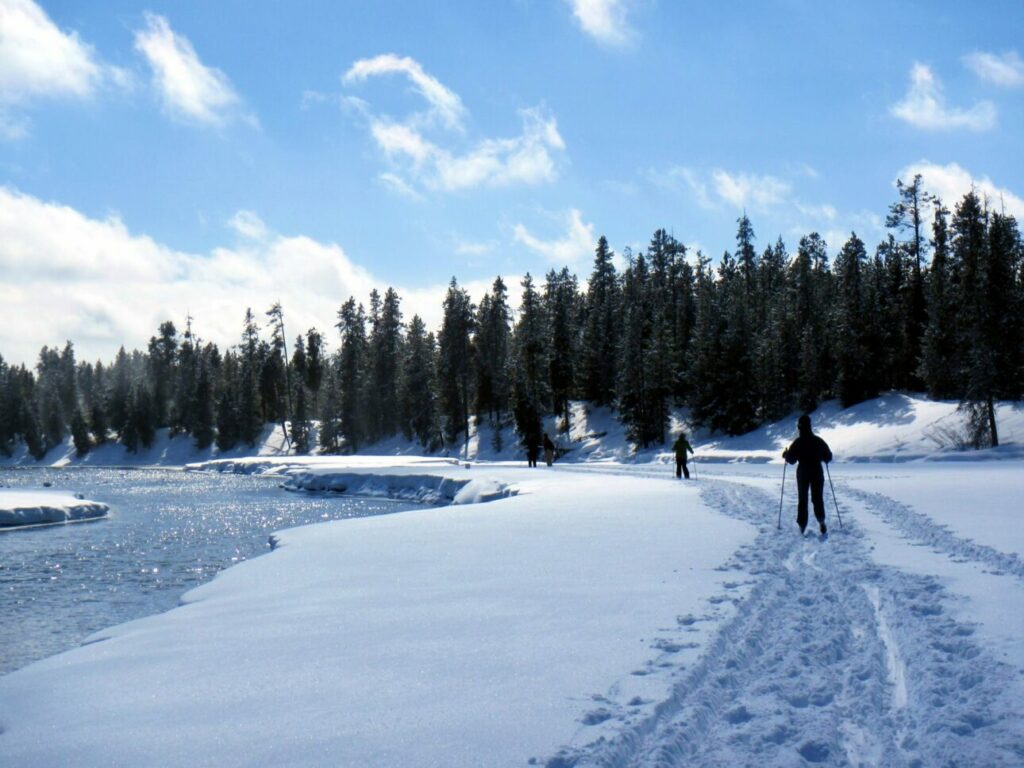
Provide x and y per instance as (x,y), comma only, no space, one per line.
(747,189)
(570,249)
(70,276)
(819,212)
(443,102)
(419,161)
(469,248)
(951,182)
(925,107)
(248,225)
(190,90)
(1005,69)
(604,20)
(398,185)
(39,60)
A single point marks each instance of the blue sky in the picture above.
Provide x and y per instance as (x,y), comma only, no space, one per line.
(164,157)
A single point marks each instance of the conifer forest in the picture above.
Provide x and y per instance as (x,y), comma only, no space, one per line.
(748,337)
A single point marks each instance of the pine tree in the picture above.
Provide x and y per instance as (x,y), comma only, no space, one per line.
(352,374)
(601,329)
(163,351)
(634,395)
(455,362)
(314,366)
(561,302)
(705,393)
(331,436)
(939,352)
(186,368)
(278,368)
(907,215)
(491,347)
(300,424)
(417,398)
(531,392)
(204,417)
(248,406)
(773,342)
(80,433)
(979,383)
(852,382)
(386,357)
(229,428)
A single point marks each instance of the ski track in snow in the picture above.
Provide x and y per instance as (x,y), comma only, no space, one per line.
(830,659)
(924,530)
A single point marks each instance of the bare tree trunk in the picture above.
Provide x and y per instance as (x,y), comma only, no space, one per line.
(992,423)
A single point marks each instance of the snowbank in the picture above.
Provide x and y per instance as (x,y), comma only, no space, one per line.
(891,428)
(406,478)
(459,635)
(20,507)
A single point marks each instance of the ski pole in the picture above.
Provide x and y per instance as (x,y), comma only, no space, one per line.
(782,493)
(834,495)
(695,466)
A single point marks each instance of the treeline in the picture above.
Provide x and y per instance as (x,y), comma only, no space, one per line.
(936,307)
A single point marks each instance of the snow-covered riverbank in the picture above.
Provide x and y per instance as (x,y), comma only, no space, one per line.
(474,634)
(42,507)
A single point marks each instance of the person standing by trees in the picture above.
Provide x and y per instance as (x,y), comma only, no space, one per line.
(809,451)
(549,450)
(532,449)
(681,446)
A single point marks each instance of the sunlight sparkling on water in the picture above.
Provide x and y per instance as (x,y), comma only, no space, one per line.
(167,532)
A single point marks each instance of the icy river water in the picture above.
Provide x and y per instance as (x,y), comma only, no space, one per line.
(167,531)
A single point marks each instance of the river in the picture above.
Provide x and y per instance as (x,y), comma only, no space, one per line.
(167,531)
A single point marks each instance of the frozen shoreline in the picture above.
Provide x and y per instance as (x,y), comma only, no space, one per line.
(20,508)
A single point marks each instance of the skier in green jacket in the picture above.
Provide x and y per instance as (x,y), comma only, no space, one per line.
(681,446)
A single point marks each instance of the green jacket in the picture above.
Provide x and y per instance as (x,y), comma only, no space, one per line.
(681,446)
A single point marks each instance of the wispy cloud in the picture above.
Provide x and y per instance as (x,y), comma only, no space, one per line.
(570,249)
(420,162)
(444,103)
(249,225)
(747,189)
(39,60)
(471,248)
(604,20)
(1005,69)
(189,89)
(924,106)
(951,182)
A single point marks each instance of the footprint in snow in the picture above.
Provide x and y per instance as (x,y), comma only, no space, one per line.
(814,751)
(739,715)
(597,716)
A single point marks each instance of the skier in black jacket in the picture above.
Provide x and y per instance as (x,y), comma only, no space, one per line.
(809,451)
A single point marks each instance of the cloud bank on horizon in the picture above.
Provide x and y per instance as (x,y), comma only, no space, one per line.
(499,143)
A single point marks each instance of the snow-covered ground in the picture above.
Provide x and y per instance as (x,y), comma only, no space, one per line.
(594,613)
(42,507)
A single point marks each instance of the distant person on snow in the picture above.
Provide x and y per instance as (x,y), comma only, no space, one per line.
(549,450)
(809,451)
(681,446)
(532,450)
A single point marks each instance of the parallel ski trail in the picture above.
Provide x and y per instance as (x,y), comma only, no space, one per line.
(830,660)
(925,530)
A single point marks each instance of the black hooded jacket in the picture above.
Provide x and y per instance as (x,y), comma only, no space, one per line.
(810,451)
